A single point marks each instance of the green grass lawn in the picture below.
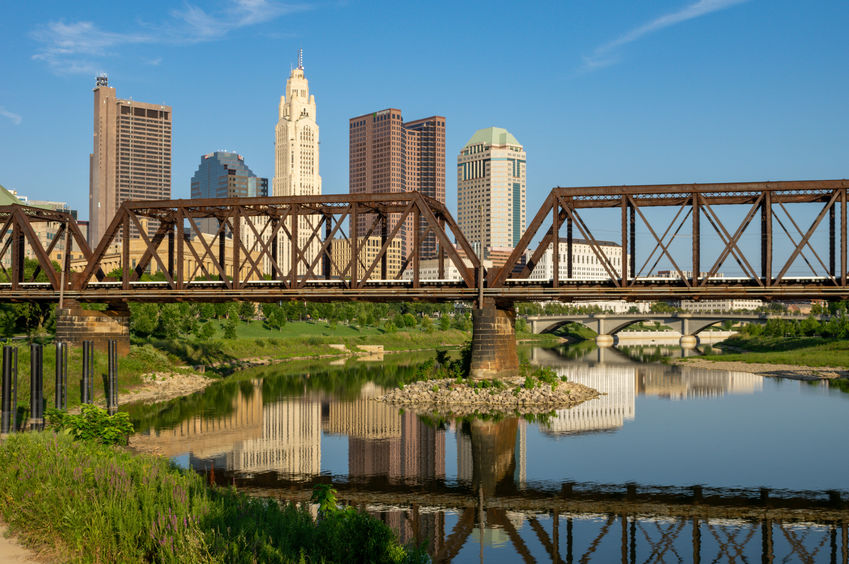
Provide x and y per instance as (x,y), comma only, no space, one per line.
(300,329)
(803,351)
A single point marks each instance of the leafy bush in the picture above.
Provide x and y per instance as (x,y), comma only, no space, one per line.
(92,423)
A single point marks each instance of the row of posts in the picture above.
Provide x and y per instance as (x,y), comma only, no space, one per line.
(9,388)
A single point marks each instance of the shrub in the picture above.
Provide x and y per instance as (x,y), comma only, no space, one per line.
(92,423)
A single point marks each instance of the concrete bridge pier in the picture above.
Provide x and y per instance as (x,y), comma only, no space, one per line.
(688,328)
(603,340)
(494,352)
(75,325)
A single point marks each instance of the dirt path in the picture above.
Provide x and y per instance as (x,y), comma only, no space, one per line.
(792,371)
(13,553)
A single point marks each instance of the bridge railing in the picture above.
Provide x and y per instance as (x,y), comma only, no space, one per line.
(765,207)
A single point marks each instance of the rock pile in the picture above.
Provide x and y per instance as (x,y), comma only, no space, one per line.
(459,398)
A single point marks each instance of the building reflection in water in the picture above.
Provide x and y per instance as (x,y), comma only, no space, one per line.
(621,381)
(391,454)
(383,443)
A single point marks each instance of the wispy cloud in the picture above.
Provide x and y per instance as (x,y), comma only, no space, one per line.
(608,54)
(80,47)
(16,119)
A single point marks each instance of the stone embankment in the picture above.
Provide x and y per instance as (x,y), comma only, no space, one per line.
(449,397)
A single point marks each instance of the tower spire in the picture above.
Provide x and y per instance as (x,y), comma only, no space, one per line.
(300,59)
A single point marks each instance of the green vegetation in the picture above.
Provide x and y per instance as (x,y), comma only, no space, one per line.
(802,351)
(95,503)
(92,424)
(576,332)
(804,342)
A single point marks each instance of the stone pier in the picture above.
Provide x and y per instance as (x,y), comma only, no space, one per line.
(75,325)
(494,342)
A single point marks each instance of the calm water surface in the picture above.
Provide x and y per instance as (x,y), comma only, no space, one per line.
(670,465)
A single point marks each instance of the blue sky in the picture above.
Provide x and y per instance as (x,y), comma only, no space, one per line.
(607,92)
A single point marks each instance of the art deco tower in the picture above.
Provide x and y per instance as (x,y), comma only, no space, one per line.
(296,156)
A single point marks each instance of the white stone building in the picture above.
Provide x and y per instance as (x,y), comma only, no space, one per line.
(585,264)
(296,168)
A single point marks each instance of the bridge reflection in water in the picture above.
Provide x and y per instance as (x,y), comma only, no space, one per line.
(486,507)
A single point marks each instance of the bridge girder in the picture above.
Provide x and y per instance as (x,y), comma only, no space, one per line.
(258,227)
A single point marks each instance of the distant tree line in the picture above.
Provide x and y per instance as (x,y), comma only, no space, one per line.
(203,320)
(836,326)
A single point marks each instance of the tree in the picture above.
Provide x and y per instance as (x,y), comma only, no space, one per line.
(275,316)
(143,319)
(206,331)
(247,311)
(206,311)
(444,323)
(229,324)
(36,317)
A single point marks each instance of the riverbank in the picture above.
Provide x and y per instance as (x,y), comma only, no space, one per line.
(801,358)
(82,501)
(790,371)
(159,369)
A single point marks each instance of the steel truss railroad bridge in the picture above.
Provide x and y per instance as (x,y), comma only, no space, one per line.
(672,215)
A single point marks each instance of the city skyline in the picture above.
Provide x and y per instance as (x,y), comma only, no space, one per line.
(600,95)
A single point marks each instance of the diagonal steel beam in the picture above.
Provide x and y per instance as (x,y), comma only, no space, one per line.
(664,249)
(807,236)
(731,241)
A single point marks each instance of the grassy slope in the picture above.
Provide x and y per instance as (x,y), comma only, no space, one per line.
(803,351)
(296,339)
(85,502)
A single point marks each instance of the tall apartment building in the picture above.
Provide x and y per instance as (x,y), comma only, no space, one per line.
(131,159)
(491,189)
(388,155)
(296,171)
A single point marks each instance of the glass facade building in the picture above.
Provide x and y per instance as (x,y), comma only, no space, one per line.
(225,175)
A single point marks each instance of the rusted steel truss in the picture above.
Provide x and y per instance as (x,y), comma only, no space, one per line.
(314,247)
(698,209)
(249,233)
(20,239)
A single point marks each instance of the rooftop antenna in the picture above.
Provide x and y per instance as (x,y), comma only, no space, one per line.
(300,59)
(102,79)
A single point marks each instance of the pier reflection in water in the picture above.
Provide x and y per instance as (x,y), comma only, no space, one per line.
(486,488)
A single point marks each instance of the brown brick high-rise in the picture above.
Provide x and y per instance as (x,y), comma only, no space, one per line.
(131,158)
(387,155)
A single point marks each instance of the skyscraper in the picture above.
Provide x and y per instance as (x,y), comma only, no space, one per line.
(296,171)
(387,155)
(491,190)
(225,175)
(131,159)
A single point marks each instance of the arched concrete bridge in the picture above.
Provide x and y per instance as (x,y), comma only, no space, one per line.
(688,325)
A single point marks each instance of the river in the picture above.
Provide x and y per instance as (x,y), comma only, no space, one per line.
(670,464)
